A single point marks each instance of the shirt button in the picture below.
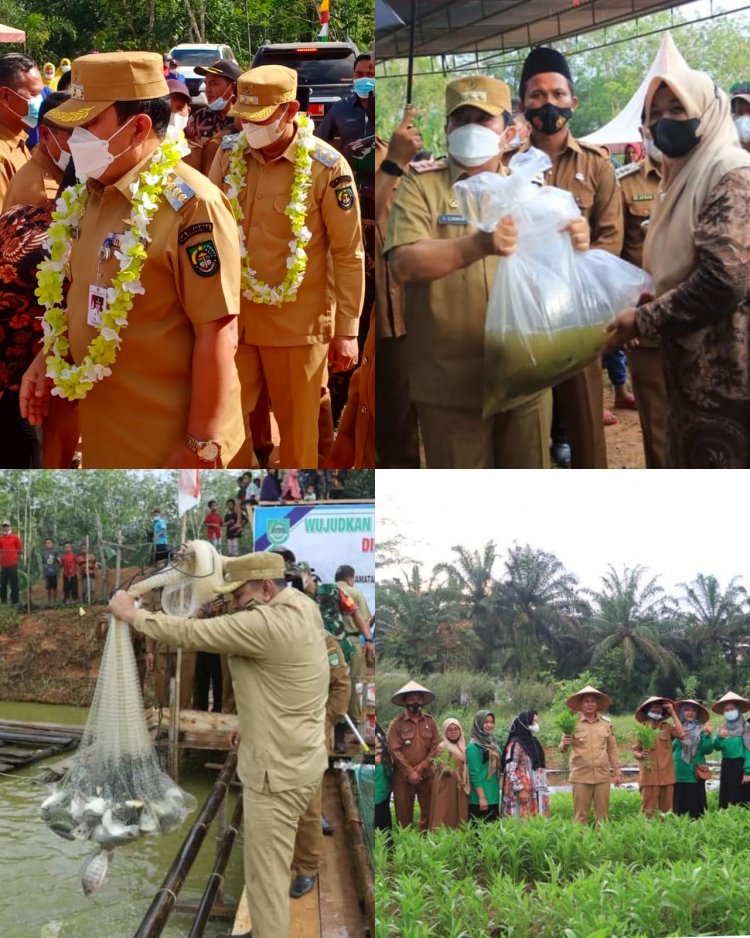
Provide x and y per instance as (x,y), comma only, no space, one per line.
(363,409)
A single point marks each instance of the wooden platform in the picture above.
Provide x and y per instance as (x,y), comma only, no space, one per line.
(332,909)
(23,744)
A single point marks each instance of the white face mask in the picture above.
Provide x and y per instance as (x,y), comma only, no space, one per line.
(653,151)
(178,121)
(534,728)
(63,159)
(262,135)
(742,126)
(91,154)
(472,144)
(731,715)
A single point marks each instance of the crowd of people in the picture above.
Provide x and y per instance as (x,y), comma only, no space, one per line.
(679,209)
(484,780)
(206,277)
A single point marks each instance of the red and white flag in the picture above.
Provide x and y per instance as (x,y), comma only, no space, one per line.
(189,490)
(323,12)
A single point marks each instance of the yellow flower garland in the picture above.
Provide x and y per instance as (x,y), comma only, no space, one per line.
(75,381)
(252,288)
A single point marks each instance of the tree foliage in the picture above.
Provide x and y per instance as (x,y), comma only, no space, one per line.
(68,28)
(531,625)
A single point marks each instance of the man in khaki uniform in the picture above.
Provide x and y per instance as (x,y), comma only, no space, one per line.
(280,668)
(547,103)
(20,98)
(413,741)
(639,184)
(345,578)
(172,399)
(37,182)
(312,826)
(594,762)
(288,345)
(447,269)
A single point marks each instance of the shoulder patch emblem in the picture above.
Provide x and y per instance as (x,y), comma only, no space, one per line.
(178,193)
(345,198)
(327,157)
(204,258)
(334,660)
(339,181)
(228,141)
(203,227)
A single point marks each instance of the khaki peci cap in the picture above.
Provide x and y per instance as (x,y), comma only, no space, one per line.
(261,90)
(262,565)
(488,94)
(99,80)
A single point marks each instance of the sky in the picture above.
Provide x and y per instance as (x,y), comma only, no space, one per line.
(677,523)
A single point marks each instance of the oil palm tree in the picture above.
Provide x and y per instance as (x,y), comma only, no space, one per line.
(632,613)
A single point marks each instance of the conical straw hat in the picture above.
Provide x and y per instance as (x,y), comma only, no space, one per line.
(703,714)
(640,713)
(742,705)
(574,701)
(399,698)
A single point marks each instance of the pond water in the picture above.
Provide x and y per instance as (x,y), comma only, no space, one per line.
(40,895)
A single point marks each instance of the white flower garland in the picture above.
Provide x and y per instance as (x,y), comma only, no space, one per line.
(252,288)
(75,381)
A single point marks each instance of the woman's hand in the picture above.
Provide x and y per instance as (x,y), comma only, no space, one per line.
(483,806)
(36,389)
(621,331)
(724,732)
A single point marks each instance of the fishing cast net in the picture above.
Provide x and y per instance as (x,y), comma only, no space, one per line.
(115,790)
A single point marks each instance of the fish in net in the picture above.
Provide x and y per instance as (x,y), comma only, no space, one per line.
(115,790)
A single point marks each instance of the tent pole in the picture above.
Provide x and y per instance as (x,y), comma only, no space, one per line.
(412,43)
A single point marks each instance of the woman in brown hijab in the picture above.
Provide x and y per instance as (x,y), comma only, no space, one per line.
(449,801)
(698,252)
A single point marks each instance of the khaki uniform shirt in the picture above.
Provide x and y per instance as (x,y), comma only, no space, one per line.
(445,318)
(280,671)
(389,316)
(660,770)
(359,598)
(639,183)
(13,155)
(135,417)
(594,752)
(413,744)
(36,182)
(334,220)
(584,171)
(339,685)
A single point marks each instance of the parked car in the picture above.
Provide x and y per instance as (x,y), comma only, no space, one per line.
(189,54)
(324,67)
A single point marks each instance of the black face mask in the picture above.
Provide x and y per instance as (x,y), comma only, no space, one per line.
(675,138)
(548,119)
(414,708)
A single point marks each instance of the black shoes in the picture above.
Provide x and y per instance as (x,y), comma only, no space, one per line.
(301,885)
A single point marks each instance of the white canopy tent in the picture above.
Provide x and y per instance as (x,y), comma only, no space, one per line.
(9,34)
(624,128)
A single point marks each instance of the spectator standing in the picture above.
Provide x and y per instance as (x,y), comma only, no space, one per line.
(349,118)
(69,564)
(161,542)
(86,570)
(525,792)
(290,490)
(233,521)
(213,522)
(413,740)
(20,98)
(10,552)
(270,489)
(310,495)
(50,569)
(483,758)
(449,799)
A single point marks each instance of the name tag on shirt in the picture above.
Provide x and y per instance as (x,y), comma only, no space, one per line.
(452,220)
(646,197)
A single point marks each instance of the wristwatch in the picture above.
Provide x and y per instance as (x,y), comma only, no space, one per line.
(205,450)
(391,168)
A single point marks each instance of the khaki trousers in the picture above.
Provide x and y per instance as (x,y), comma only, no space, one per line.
(656,798)
(294,376)
(271,820)
(581,402)
(462,439)
(228,703)
(404,794)
(306,860)
(356,669)
(647,378)
(164,668)
(583,795)
(260,424)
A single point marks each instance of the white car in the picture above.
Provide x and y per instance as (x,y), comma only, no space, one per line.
(188,55)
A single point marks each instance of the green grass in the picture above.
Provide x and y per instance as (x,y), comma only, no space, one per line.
(549,878)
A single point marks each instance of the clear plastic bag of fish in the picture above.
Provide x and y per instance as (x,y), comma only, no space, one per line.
(115,790)
(548,303)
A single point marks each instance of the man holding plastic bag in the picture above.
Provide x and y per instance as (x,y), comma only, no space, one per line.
(448,267)
(548,102)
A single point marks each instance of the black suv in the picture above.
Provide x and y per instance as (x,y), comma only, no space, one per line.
(324,67)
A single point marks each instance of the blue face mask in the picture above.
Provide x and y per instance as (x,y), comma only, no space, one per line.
(364,86)
(218,105)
